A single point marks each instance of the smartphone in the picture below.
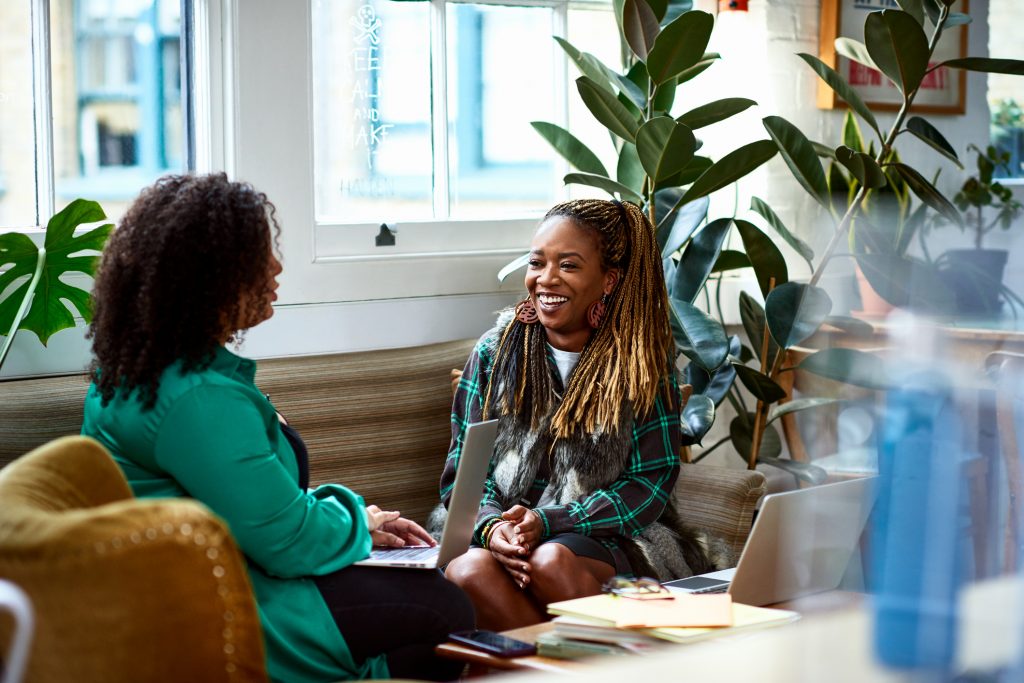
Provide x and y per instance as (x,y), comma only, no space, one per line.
(494,643)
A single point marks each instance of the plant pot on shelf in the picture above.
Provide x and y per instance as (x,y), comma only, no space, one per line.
(872,305)
(976,277)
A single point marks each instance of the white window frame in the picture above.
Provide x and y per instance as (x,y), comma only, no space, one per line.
(269,45)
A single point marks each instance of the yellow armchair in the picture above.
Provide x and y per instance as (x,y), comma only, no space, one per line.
(123,589)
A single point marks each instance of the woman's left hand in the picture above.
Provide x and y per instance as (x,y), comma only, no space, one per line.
(526,524)
(401,532)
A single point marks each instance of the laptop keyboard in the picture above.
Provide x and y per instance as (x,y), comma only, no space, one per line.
(417,553)
(713,589)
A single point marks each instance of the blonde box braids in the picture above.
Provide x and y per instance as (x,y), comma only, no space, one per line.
(626,357)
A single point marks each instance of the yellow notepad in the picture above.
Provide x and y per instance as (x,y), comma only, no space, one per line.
(744,618)
(713,610)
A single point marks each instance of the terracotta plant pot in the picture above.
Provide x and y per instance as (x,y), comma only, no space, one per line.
(872,305)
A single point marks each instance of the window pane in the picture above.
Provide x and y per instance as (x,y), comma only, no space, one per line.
(17,135)
(500,68)
(118,122)
(1006,93)
(371,101)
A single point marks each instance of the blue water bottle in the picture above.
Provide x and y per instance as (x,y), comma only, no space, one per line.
(917,564)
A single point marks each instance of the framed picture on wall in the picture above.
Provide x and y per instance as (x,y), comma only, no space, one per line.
(942,91)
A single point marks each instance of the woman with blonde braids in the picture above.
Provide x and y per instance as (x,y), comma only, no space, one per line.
(581,376)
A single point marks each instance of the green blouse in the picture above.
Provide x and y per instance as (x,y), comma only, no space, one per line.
(213,436)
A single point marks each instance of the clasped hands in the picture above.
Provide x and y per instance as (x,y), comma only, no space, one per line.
(388,528)
(513,539)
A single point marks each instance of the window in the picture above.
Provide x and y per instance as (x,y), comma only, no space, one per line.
(99,115)
(1006,93)
(385,76)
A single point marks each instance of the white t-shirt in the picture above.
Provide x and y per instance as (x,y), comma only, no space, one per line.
(566,361)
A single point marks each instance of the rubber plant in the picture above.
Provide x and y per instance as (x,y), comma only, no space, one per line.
(899,44)
(36,299)
(658,166)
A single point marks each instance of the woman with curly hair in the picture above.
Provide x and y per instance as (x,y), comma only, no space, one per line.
(192,265)
(580,375)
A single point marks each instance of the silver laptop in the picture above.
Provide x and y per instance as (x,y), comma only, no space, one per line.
(801,544)
(462,507)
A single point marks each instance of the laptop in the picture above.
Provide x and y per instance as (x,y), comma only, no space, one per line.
(801,544)
(462,508)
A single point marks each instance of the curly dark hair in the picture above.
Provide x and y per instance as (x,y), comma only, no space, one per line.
(174,277)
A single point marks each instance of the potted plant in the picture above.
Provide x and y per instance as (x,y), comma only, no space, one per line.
(976,275)
(37,300)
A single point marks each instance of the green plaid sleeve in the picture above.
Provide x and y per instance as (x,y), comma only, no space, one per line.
(639,496)
(467,408)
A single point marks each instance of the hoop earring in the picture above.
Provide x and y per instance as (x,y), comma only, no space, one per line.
(595,314)
(526,312)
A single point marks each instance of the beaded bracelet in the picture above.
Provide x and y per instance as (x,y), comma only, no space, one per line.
(490,531)
(486,529)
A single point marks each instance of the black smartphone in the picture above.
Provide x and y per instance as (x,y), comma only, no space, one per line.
(494,643)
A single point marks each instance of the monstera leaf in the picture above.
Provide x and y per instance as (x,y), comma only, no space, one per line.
(40,272)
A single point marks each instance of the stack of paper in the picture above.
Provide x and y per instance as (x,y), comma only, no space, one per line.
(607,624)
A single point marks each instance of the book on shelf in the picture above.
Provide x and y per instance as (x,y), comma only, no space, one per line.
(680,610)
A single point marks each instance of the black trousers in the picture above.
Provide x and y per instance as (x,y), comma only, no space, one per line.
(400,613)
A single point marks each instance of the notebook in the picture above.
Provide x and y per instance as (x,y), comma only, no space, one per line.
(801,544)
(462,508)
(682,610)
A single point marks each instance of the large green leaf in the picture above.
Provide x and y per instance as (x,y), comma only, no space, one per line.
(699,258)
(914,8)
(763,387)
(705,341)
(799,404)
(899,46)
(850,366)
(571,149)
(698,416)
(49,311)
(607,109)
(730,259)
(741,432)
(697,69)
(1012,67)
(752,317)
(795,311)
(639,26)
(855,50)
(799,155)
(731,168)
(629,171)
(842,88)
(863,167)
(761,207)
(928,194)
(715,385)
(679,46)
(716,111)
(929,135)
(685,222)
(933,9)
(697,167)
(664,146)
(664,98)
(766,258)
(597,71)
(852,137)
(606,184)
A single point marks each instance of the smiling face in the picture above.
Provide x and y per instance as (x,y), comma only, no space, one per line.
(565,277)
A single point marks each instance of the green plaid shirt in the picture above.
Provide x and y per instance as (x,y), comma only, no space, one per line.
(623,509)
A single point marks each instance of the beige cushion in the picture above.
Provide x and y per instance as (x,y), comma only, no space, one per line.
(720,500)
(124,590)
(378,422)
